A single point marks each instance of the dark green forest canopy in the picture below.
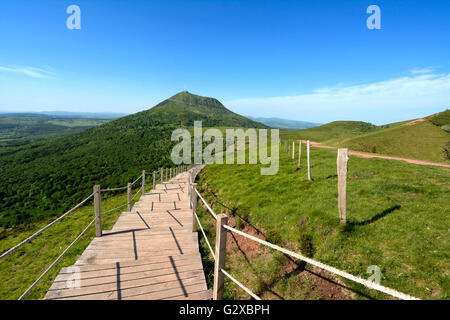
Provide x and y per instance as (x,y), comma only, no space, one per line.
(44,179)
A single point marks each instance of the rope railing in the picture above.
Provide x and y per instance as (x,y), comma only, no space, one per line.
(44,228)
(204,235)
(113,189)
(138,178)
(115,209)
(254,296)
(56,261)
(369,284)
(206,204)
(138,192)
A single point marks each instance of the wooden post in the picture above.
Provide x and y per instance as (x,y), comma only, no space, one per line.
(299,153)
(289,149)
(220,253)
(129,197)
(143,182)
(98,211)
(308,157)
(162,175)
(154,180)
(194,207)
(342,160)
(293,150)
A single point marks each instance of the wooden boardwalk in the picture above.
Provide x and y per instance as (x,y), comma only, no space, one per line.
(151,253)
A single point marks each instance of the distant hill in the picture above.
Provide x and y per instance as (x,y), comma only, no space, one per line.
(423,139)
(284,123)
(94,115)
(45,178)
(332,130)
(38,126)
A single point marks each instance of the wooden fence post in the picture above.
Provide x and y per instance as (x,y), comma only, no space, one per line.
(143,182)
(300,153)
(220,253)
(293,150)
(162,175)
(289,149)
(154,180)
(98,211)
(308,156)
(342,160)
(194,207)
(129,197)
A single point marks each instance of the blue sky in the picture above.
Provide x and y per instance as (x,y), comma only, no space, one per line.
(304,60)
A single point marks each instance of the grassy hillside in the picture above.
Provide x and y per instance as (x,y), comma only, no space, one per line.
(332,130)
(43,179)
(422,140)
(397,220)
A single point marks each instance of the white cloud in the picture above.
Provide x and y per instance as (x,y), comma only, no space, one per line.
(28,71)
(379,102)
(422,70)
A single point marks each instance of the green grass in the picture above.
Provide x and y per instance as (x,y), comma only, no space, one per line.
(332,130)
(422,141)
(440,119)
(21,268)
(397,220)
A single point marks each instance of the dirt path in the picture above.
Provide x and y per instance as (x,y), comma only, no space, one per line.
(414,122)
(371,155)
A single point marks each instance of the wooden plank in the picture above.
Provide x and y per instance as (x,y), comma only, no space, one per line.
(129,284)
(153,291)
(131,264)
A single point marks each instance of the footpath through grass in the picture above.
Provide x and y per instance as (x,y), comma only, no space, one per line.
(21,268)
(398,220)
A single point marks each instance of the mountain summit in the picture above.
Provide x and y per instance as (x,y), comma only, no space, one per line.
(184,108)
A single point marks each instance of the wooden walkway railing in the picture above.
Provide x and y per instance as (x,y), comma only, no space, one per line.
(150,253)
(170,174)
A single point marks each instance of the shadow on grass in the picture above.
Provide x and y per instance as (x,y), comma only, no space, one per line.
(375,217)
